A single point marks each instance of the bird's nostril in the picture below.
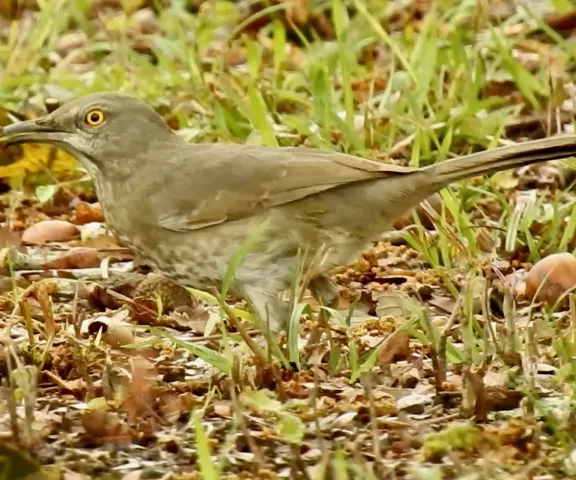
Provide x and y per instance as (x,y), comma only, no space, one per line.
(44,123)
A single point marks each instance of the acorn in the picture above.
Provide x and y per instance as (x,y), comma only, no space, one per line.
(550,278)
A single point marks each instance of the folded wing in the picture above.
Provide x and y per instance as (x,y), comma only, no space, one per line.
(233,182)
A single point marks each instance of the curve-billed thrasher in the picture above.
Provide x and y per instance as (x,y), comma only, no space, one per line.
(185,209)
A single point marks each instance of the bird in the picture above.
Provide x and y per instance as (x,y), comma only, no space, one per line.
(186,209)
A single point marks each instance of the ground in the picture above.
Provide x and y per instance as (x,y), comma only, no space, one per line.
(449,357)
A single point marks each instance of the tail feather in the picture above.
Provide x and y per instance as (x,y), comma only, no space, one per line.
(503,158)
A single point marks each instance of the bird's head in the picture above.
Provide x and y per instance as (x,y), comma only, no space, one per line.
(110,133)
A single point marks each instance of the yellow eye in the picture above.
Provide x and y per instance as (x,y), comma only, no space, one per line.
(94,118)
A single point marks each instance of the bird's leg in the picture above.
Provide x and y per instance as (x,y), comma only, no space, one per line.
(325,290)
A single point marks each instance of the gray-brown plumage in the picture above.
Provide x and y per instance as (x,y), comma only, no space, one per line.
(186,209)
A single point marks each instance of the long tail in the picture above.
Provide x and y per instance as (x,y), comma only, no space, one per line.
(502,158)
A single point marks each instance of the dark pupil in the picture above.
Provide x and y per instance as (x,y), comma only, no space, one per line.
(94,117)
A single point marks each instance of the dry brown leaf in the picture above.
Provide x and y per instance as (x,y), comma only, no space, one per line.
(106,427)
(396,347)
(8,8)
(393,304)
(41,294)
(194,319)
(10,238)
(107,242)
(144,311)
(76,387)
(502,398)
(446,304)
(101,295)
(78,257)
(414,403)
(482,405)
(86,213)
(139,401)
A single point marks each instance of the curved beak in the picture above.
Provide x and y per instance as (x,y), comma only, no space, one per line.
(33,131)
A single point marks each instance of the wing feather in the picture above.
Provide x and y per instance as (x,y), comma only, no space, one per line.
(236,181)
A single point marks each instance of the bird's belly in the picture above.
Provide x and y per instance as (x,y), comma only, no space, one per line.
(192,263)
(201,258)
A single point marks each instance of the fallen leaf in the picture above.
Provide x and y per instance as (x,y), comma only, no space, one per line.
(188,318)
(41,293)
(482,406)
(144,311)
(106,427)
(502,398)
(76,387)
(563,22)
(140,398)
(78,257)
(414,403)
(396,347)
(10,238)
(101,294)
(505,179)
(394,304)
(86,213)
